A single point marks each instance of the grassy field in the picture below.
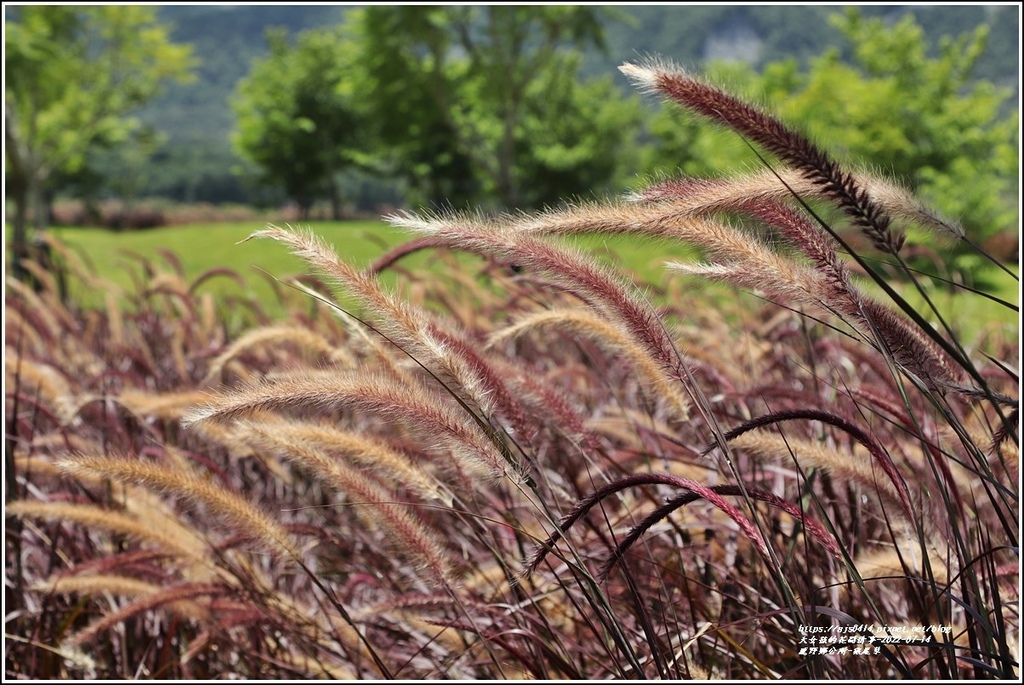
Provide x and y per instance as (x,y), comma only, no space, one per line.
(202,247)
(536,469)
(225,484)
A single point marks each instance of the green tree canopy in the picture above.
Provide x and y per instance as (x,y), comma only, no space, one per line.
(298,115)
(917,117)
(486,101)
(73,75)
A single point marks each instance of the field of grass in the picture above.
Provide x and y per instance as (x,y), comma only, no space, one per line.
(202,247)
(516,464)
(513,463)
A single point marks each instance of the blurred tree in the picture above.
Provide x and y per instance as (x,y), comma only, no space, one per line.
(72,76)
(897,110)
(299,118)
(486,101)
(577,139)
(417,140)
(919,118)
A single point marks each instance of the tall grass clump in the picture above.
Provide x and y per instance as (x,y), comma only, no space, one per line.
(525,463)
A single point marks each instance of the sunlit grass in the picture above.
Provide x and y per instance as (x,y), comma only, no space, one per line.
(202,247)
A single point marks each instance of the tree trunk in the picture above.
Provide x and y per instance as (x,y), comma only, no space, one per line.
(507,190)
(332,187)
(19,241)
(16,188)
(40,206)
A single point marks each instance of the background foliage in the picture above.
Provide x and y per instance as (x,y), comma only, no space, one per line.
(894,106)
(72,78)
(298,116)
(425,106)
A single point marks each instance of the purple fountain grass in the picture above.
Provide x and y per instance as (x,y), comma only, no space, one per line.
(753,264)
(817,530)
(301,337)
(407,248)
(877,452)
(609,335)
(582,507)
(488,376)
(806,453)
(706,195)
(814,164)
(375,505)
(176,596)
(409,326)
(550,406)
(358,448)
(580,274)
(420,409)
(403,461)
(255,523)
(790,146)
(914,350)
(415,331)
(833,290)
(172,539)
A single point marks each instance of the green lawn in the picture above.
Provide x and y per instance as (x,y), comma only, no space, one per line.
(202,247)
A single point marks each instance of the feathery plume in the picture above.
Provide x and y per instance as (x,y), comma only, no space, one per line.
(123,586)
(701,491)
(687,196)
(173,598)
(45,380)
(878,454)
(856,467)
(572,269)
(93,517)
(411,329)
(168,406)
(303,338)
(358,448)
(793,148)
(886,561)
(376,505)
(832,291)
(611,337)
(416,407)
(238,512)
(813,526)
